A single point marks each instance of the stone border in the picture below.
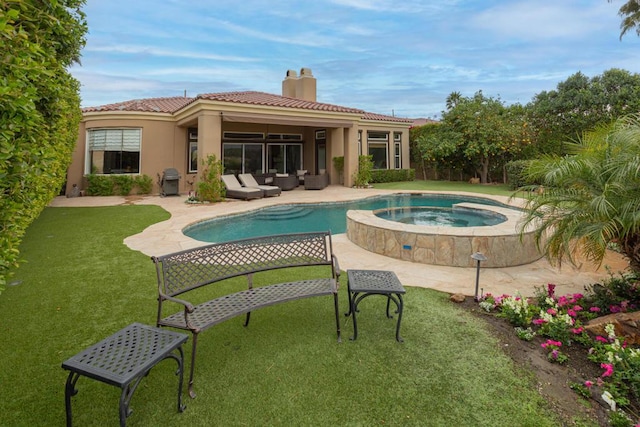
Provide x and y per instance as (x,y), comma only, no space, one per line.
(502,244)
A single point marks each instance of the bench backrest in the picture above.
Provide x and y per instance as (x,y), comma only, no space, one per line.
(186,270)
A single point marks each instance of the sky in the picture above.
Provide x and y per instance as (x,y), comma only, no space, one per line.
(392,57)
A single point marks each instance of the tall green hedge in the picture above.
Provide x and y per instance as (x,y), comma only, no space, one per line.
(392,175)
(40,111)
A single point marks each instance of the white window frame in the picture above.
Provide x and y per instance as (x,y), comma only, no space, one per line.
(110,141)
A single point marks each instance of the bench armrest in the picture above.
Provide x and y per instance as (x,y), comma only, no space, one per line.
(188,307)
(336,266)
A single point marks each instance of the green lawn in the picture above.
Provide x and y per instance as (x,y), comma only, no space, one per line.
(80,283)
(493,189)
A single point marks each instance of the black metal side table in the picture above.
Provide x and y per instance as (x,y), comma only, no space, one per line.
(363,283)
(123,359)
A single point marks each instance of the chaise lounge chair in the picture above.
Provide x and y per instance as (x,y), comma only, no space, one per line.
(237,191)
(250,182)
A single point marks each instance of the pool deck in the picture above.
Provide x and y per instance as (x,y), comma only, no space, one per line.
(166,237)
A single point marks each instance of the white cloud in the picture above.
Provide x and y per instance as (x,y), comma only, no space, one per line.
(151,50)
(533,20)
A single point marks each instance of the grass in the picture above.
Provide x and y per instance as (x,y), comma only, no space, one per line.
(81,283)
(493,189)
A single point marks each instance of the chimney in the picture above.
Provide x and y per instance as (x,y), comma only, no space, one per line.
(303,87)
(289,84)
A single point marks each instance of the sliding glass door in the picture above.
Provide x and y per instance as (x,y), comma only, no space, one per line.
(240,158)
(284,158)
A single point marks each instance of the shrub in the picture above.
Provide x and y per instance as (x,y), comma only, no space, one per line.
(144,183)
(515,175)
(40,112)
(618,293)
(210,188)
(121,185)
(362,177)
(393,175)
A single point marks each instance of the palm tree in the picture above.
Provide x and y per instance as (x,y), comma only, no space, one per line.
(630,13)
(591,198)
(453,100)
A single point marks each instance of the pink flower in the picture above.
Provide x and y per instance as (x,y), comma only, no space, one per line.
(577,296)
(562,301)
(554,354)
(614,309)
(594,309)
(577,330)
(608,369)
(602,339)
(539,321)
(588,384)
(577,308)
(552,311)
(551,290)
(551,343)
(572,313)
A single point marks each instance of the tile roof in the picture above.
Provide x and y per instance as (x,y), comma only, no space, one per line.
(422,121)
(270,100)
(150,105)
(171,105)
(374,116)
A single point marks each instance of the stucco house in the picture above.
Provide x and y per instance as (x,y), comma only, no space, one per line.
(252,132)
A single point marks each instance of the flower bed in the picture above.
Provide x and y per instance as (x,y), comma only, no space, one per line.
(564,321)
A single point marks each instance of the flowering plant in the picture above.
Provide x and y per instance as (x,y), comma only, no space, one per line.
(620,364)
(516,309)
(555,355)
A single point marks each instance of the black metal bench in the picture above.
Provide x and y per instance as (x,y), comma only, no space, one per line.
(181,272)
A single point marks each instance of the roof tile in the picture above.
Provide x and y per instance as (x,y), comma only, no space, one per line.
(171,105)
(149,105)
(270,100)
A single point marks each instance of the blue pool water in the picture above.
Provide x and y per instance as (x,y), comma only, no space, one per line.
(297,218)
(434,216)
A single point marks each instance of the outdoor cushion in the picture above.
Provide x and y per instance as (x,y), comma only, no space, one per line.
(249,181)
(237,191)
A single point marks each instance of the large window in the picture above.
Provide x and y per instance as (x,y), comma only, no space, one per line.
(397,143)
(112,151)
(192,151)
(242,158)
(284,158)
(378,143)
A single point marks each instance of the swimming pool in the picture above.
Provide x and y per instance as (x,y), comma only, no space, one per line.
(443,217)
(294,218)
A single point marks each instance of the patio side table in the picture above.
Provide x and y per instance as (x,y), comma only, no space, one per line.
(363,283)
(122,360)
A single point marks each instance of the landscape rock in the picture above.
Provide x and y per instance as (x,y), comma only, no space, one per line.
(626,325)
(458,298)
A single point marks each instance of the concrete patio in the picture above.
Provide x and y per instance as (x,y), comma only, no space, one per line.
(166,237)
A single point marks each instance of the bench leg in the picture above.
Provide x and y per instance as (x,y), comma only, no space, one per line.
(335,303)
(192,393)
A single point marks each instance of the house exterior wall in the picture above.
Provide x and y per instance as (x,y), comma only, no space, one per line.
(165,135)
(165,144)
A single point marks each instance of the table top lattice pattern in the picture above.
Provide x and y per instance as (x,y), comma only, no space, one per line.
(373,281)
(126,354)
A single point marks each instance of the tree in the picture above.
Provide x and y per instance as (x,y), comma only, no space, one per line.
(453,100)
(40,112)
(484,130)
(581,103)
(591,198)
(630,13)
(435,145)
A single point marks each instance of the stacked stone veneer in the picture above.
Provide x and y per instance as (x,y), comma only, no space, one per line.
(502,244)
